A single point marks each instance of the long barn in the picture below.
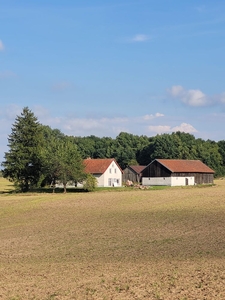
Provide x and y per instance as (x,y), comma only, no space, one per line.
(177,172)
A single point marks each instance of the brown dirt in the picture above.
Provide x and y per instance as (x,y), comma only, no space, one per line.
(152,244)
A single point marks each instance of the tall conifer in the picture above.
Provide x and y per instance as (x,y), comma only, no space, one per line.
(22,164)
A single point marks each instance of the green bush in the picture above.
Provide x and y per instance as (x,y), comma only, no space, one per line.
(90,183)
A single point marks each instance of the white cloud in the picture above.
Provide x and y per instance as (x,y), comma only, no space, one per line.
(195,98)
(184,127)
(140,38)
(222,98)
(2,47)
(151,117)
(159,115)
(99,126)
(176,90)
(95,126)
(189,97)
(85,126)
(159,129)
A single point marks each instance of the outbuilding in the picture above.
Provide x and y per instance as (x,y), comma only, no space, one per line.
(133,173)
(177,172)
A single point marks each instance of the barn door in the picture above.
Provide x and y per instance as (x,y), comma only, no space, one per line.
(186,181)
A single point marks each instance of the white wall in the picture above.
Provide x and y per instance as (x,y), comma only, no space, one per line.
(181,181)
(156,180)
(114,173)
(100,179)
(169,181)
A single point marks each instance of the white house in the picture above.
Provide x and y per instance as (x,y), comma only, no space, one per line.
(106,170)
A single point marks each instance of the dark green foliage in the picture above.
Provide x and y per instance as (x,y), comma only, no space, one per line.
(90,183)
(126,148)
(208,152)
(129,149)
(69,164)
(22,164)
(95,147)
(62,159)
(221,149)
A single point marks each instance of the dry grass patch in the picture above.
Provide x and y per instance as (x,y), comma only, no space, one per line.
(159,244)
(5,186)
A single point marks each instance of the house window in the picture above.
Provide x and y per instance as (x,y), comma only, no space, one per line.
(115,171)
(110,171)
(110,182)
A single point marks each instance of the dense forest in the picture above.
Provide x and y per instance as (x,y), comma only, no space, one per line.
(130,149)
(39,154)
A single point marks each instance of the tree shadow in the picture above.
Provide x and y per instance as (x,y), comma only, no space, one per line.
(43,191)
(57,190)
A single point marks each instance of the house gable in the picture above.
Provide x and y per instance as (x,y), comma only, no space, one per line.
(106,171)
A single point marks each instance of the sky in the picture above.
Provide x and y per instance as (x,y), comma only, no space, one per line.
(97,67)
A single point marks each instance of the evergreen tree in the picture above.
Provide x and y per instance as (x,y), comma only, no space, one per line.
(22,163)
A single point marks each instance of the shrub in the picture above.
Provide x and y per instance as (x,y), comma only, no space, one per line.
(90,183)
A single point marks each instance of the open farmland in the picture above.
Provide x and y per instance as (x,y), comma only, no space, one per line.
(131,244)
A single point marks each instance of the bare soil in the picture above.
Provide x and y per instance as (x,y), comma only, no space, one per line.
(132,244)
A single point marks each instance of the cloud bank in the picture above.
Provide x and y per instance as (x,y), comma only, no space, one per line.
(184,127)
(85,126)
(195,98)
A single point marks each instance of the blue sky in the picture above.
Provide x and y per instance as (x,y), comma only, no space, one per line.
(101,67)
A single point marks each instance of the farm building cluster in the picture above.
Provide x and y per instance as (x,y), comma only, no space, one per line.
(169,172)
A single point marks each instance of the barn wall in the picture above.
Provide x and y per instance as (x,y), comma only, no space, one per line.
(156,181)
(182,181)
(168,181)
(155,169)
(200,178)
(128,174)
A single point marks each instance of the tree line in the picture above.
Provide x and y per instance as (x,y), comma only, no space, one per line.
(39,155)
(130,149)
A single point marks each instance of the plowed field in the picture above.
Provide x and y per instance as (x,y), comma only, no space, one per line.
(132,244)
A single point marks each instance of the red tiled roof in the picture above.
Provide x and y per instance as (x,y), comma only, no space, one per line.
(98,165)
(186,166)
(137,169)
